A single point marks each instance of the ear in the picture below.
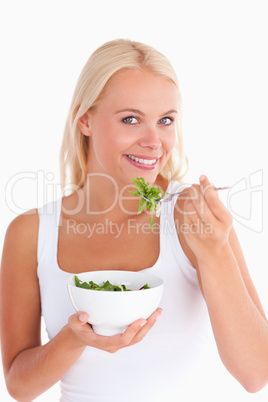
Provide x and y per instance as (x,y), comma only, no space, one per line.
(84,123)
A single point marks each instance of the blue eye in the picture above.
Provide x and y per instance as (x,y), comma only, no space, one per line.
(166,121)
(130,120)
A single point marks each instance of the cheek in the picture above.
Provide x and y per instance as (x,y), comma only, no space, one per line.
(169,142)
(120,138)
(109,132)
(102,135)
(109,142)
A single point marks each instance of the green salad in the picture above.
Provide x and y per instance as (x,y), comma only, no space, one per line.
(107,286)
(152,193)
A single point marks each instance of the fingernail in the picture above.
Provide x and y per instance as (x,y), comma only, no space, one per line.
(82,317)
(202,177)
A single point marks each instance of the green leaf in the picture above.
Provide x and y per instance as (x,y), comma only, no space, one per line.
(85,285)
(152,193)
(77,281)
(151,221)
(107,286)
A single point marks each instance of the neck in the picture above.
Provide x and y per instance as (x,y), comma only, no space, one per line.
(104,196)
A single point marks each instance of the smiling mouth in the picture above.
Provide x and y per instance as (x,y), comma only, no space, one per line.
(141,160)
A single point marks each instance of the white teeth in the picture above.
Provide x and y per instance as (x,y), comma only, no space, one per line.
(143,161)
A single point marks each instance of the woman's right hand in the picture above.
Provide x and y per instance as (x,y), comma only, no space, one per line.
(85,336)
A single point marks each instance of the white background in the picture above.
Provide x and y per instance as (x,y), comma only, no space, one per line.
(219,50)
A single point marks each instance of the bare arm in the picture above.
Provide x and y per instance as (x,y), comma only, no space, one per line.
(29,367)
(238,321)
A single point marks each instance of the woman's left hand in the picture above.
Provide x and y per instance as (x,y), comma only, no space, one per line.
(207,223)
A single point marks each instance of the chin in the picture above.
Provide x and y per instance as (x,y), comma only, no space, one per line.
(148,176)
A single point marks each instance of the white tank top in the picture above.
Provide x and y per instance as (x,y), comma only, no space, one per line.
(154,369)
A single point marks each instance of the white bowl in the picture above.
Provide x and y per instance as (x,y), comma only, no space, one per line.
(111,313)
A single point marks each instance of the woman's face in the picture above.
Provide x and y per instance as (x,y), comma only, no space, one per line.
(132,131)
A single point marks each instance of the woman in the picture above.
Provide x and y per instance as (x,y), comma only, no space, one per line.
(125,122)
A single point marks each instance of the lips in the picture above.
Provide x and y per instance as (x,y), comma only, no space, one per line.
(144,161)
(147,162)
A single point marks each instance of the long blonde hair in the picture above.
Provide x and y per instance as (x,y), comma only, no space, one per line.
(103,63)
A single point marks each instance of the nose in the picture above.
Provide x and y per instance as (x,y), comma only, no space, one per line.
(150,139)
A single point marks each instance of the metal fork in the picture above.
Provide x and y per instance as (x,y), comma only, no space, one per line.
(170,196)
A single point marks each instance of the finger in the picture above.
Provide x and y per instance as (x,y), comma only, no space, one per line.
(78,321)
(197,207)
(116,342)
(212,199)
(132,330)
(192,200)
(207,188)
(150,322)
(135,332)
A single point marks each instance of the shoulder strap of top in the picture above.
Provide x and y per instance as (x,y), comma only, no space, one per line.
(167,208)
(49,220)
(168,237)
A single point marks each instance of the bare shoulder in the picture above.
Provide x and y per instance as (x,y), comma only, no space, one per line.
(21,237)
(27,223)
(28,219)
(19,288)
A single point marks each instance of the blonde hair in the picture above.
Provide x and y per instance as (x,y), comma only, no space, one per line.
(109,58)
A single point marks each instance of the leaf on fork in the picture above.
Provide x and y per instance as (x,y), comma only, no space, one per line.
(152,193)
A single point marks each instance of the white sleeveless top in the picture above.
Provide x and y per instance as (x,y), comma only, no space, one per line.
(154,369)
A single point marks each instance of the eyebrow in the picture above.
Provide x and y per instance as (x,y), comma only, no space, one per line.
(141,113)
